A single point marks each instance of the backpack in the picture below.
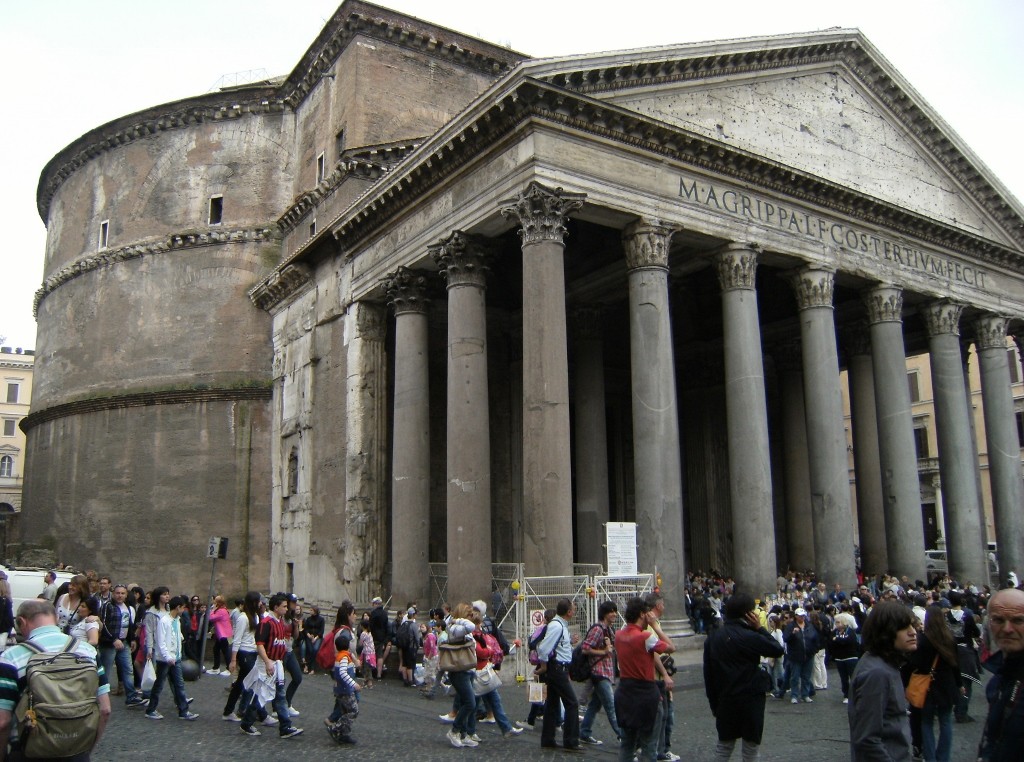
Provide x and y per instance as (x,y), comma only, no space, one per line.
(579,666)
(325,656)
(497,655)
(58,715)
(533,642)
(406,639)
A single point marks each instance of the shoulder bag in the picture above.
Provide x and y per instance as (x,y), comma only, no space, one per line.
(486,680)
(457,657)
(917,688)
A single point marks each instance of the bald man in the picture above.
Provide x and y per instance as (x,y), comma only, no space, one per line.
(1003,737)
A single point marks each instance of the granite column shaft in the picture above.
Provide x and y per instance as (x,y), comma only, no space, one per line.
(799,516)
(826,439)
(657,469)
(904,531)
(961,511)
(1004,466)
(750,480)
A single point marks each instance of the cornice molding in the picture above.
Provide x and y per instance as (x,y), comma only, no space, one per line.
(276,288)
(258,391)
(168,243)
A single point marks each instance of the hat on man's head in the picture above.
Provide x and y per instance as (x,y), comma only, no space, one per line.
(377,600)
(800,612)
(480,606)
(411,612)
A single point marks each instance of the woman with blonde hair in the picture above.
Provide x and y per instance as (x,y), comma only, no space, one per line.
(220,619)
(67,604)
(460,627)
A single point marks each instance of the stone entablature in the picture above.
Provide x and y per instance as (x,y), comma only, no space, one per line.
(173,242)
(454,145)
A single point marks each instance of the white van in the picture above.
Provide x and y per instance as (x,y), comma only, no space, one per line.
(27,582)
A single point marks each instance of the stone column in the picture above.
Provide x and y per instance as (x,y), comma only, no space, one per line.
(965,353)
(960,510)
(826,439)
(874,555)
(547,464)
(904,532)
(366,520)
(799,516)
(410,446)
(462,260)
(750,478)
(657,468)
(591,435)
(1003,445)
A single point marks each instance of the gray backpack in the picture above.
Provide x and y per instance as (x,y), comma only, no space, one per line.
(58,715)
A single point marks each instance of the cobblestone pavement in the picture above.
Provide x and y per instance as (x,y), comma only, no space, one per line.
(395,720)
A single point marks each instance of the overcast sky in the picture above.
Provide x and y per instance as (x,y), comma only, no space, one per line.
(71,65)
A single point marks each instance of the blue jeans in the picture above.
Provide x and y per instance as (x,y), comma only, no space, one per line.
(163,669)
(492,701)
(108,656)
(291,666)
(631,740)
(465,702)
(929,713)
(801,674)
(252,707)
(602,696)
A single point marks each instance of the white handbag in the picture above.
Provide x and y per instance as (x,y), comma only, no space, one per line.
(485,680)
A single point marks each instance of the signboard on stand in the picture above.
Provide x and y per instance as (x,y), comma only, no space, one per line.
(621,548)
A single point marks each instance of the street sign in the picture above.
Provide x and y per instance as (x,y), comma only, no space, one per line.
(217,547)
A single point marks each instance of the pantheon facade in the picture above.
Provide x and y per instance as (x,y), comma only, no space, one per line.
(452,303)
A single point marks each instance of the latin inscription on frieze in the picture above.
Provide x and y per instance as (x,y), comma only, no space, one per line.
(794,221)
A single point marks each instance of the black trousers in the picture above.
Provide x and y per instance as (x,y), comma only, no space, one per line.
(741,718)
(560,690)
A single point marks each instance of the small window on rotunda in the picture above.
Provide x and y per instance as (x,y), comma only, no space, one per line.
(216,209)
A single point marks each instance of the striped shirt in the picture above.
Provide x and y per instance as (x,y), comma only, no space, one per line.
(14,662)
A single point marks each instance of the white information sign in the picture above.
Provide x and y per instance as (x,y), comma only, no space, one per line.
(213,547)
(621,545)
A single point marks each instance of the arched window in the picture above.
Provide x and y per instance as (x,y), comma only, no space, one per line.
(6,466)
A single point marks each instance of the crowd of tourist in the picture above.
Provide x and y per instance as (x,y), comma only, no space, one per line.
(877,636)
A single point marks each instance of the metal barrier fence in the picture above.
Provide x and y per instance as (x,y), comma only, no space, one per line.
(517,602)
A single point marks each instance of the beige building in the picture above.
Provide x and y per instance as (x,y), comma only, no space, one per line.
(16,366)
(429,299)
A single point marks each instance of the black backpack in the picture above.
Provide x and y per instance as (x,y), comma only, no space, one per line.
(580,666)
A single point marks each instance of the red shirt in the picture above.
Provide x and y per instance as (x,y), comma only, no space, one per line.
(274,635)
(633,647)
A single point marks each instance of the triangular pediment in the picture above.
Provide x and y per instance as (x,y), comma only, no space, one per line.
(826,103)
(823,123)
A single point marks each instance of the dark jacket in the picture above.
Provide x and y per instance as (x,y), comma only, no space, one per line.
(732,661)
(801,645)
(379,625)
(879,726)
(110,624)
(1003,737)
(314,626)
(946,686)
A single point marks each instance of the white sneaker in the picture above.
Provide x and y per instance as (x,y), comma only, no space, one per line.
(469,742)
(475,737)
(293,711)
(846,701)
(808,700)
(225,673)
(454,738)
(231,717)
(445,718)
(513,731)
(271,721)
(794,701)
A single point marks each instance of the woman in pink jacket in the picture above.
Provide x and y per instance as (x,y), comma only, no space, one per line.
(220,619)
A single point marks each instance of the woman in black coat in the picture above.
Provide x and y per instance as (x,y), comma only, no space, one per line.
(936,650)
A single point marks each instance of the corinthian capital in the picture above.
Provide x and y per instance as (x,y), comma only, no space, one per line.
(813,287)
(462,259)
(942,318)
(541,212)
(737,266)
(884,304)
(646,245)
(990,331)
(406,290)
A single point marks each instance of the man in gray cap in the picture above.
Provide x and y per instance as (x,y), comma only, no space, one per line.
(802,642)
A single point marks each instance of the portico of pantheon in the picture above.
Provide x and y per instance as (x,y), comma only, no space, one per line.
(427,299)
(623,287)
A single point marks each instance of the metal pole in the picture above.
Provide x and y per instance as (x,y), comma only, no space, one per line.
(205,624)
